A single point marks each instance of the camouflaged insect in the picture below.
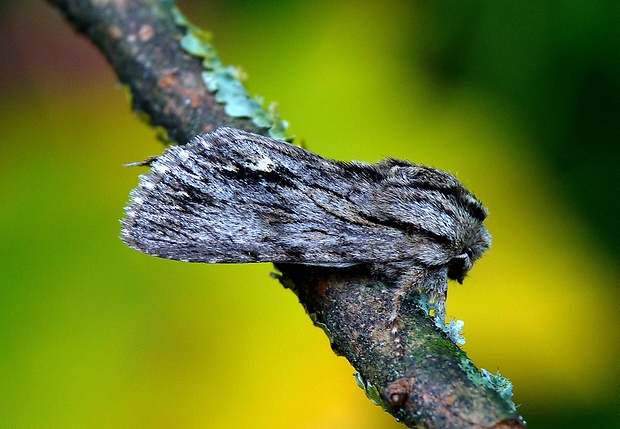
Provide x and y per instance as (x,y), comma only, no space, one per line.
(231,197)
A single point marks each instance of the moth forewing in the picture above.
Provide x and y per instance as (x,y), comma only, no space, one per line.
(230,197)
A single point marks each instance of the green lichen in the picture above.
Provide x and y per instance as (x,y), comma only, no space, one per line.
(127,90)
(284,281)
(160,131)
(454,328)
(428,304)
(323,326)
(441,345)
(360,381)
(486,379)
(373,394)
(370,389)
(226,81)
(500,384)
(163,135)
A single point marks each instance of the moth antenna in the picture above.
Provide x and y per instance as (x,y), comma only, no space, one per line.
(145,163)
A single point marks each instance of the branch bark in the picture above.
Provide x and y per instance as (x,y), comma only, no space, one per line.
(141,42)
(424,379)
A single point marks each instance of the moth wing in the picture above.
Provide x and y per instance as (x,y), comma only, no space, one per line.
(231,196)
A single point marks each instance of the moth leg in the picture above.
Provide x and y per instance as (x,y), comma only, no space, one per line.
(408,281)
(430,283)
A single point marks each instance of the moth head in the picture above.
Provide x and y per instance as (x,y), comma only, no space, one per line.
(459,266)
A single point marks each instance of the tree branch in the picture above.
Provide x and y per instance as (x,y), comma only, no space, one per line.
(424,379)
(141,41)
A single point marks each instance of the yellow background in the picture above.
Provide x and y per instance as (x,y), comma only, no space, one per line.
(93,334)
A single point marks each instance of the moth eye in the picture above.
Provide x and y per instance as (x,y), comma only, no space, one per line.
(459,266)
(469,253)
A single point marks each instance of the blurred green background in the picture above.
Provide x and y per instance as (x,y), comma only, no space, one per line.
(519,99)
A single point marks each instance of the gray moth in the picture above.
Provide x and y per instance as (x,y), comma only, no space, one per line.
(231,197)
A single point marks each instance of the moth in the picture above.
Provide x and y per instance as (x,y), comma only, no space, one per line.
(231,197)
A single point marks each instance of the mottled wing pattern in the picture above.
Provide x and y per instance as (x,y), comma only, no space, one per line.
(232,196)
